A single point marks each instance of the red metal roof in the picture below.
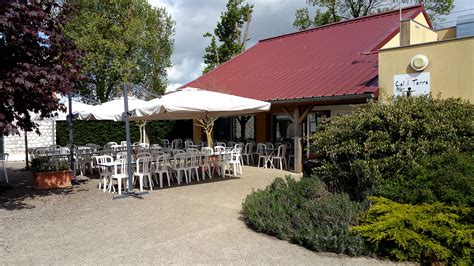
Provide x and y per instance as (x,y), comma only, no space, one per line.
(332,60)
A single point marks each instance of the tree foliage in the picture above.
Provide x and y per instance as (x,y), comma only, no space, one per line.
(330,11)
(125,41)
(230,35)
(37,61)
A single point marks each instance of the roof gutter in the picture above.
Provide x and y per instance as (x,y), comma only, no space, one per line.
(368,96)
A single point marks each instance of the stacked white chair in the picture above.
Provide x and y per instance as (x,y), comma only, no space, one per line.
(193,164)
(180,166)
(247,153)
(204,162)
(161,167)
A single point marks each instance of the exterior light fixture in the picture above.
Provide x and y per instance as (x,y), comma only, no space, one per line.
(419,62)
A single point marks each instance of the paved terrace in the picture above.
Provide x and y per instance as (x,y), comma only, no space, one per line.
(187,224)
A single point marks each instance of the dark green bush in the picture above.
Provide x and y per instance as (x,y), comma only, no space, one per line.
(101,132)
(379,142)
(447,178)
(304,212)
(425,233)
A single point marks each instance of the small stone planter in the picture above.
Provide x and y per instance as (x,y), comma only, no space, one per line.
(49,180)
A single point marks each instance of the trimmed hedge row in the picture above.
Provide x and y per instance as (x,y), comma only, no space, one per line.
(101,132)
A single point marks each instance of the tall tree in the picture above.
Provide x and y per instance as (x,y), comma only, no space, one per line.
(329,11)
(37,61)
(230,35)
(124,41)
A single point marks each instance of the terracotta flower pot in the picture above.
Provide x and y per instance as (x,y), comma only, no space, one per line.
(48,180)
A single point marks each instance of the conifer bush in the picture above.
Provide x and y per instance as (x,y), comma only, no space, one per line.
(427,233)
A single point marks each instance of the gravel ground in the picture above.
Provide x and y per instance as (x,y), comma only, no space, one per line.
(188,224)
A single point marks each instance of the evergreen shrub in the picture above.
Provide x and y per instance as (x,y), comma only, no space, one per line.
(380,142)
(427,233)
(304,212)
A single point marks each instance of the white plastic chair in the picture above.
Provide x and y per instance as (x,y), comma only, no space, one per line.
(143,170)
(165,143)
(280,157)
(188,144)
(193,164)
(236,161)
(220,143)
(223,163)
(104,173)
(205,164)
(262,156)
(247,153)
(176,144)
(180,165)
(3,164)
(120,173)
(219,149)
(161,167)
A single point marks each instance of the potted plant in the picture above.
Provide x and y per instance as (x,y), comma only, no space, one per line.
(49,174)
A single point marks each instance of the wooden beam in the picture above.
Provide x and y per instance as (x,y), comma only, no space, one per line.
(304,113)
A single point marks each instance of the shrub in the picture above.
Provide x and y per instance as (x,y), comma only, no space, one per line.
(304,212)
(377,142)
(101,132)
(447,178)
(422,233)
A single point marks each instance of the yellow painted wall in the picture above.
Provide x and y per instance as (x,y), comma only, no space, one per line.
(421,34)
(197,132)
(451,67)
(445,34)
(395,41)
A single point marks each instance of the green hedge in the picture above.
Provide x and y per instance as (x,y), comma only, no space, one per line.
(304,212)
(380,142)
(101,132)
(446,178)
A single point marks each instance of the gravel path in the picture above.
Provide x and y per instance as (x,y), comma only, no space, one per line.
(188,224)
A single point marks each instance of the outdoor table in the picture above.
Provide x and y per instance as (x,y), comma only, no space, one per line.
(269,155)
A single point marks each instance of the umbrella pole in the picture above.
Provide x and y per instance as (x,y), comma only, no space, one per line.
(126,114)
(27,161)
(71,141)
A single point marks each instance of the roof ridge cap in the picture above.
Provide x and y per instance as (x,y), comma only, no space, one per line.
(334,24)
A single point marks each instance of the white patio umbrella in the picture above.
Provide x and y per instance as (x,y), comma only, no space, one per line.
(77,108)
(194,103)
(111,110)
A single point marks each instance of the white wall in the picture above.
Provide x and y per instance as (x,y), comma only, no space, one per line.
(15,145)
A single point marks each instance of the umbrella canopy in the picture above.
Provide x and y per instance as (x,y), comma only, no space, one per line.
(193,103)
(78,108)
(111,110)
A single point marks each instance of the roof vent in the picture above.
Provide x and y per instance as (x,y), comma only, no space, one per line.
(465,26)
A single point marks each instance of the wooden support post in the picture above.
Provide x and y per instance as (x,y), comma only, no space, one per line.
(297,141)
(297,115)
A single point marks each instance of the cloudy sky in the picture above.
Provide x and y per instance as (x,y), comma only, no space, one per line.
(270,18)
